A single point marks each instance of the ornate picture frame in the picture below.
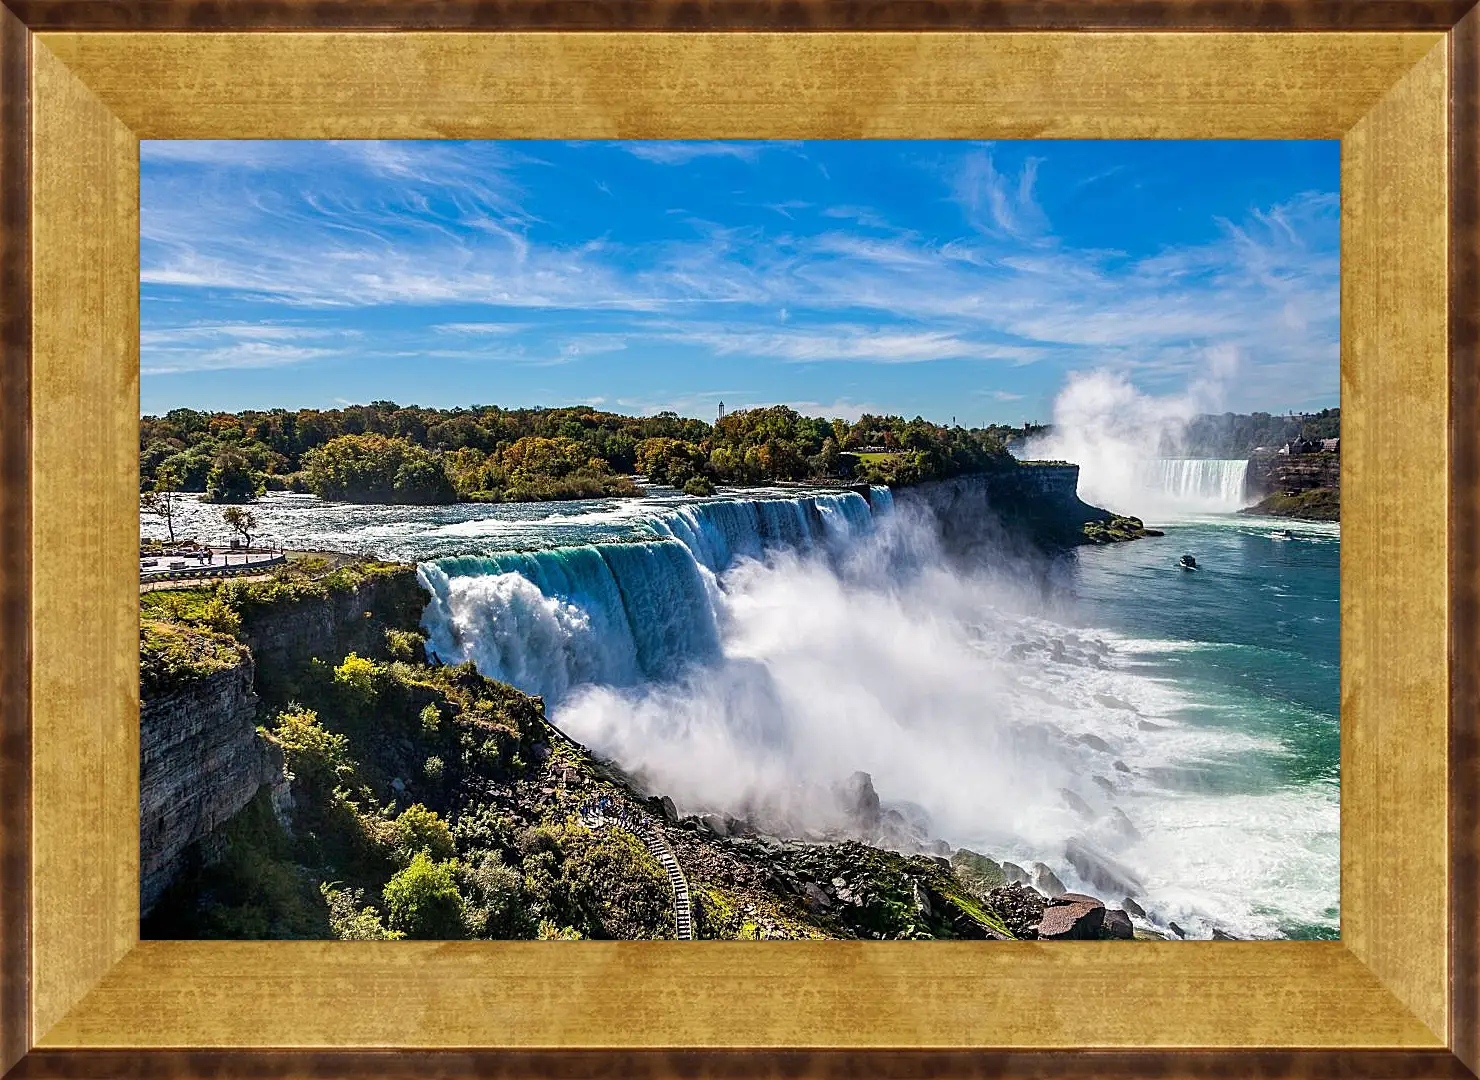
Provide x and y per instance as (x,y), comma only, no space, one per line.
(82,81)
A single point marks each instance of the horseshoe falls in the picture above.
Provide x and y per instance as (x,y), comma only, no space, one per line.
(1206,484)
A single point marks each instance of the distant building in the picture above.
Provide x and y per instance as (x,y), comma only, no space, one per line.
(1331,446)
(721,410)
(1300,446)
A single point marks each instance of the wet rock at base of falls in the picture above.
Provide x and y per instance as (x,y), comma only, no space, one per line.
(1101,871)
(859,801)
(1072,917)
(1015,874)
(977,872)
(1117,925)
(1094,742)
(1123,825)
(717,824)
(1020,908)
(1121,766)
(663,806)
(1046,881)
(1077,804)
(815,897)
(1133,908)
(1105,784)
(1174,928)
(1147,725)
(1219,935)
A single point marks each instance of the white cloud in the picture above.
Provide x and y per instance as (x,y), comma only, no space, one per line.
(681,153)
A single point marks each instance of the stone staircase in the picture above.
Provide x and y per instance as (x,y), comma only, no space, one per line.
(595,816)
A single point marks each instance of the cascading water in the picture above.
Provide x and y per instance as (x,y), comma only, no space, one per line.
(623,612)
(1202,484)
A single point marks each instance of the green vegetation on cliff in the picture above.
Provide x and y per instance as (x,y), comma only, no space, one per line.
(173,654)
(386,453)
(1116,530)
(1313,504)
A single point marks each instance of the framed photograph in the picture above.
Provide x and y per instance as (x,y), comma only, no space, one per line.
(841,539)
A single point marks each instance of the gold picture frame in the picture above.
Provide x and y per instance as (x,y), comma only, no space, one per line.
(1397,81)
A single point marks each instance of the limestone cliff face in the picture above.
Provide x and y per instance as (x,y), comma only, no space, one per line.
(1273,474)
(284,635)
(1031,506)
(201,761)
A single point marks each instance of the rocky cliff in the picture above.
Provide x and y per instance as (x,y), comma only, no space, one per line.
(1296,485)
(284,631)
(200,762)
(1033,506)
(1271,474)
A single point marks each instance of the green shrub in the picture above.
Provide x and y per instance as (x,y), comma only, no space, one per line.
(172,655)
(698,486)
(357,675)
(431,719)
(403,645)
(420,830)
(423,900)
(351,922)
(497,906)
(318,759)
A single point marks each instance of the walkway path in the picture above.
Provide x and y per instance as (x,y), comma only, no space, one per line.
(595,814)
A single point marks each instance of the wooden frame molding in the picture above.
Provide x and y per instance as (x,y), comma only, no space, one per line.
(82,81)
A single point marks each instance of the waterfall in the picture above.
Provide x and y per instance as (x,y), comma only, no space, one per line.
(621,613)
(1205,484)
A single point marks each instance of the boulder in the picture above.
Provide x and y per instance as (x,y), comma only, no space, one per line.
(1117,925)
(1094,742)
(1121,766)
(1078,920)
(1019,907)
(1100,870)
(813,896)
(859,801)
(1133,908)
(1174,928)
(1015,874)
(1219,935)
(1123,825)
(718,824)
(1046,881)
(977,872)
(1077,804)
(1105,784)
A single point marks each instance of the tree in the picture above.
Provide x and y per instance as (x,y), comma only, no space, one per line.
(423,902)
(241,520)
(230,478)
(163,501)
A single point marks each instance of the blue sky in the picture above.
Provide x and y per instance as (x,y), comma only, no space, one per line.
(960,280)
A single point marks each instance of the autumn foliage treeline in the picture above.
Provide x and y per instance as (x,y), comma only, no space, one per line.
(387,453)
